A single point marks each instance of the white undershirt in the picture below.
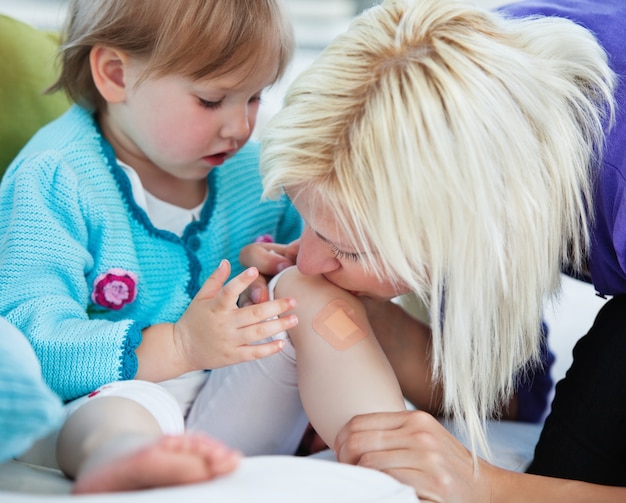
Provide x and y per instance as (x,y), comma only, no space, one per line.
(170,217)
(162,214)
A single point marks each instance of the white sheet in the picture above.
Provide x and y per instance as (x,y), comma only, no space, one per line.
(261,479)
(270,479)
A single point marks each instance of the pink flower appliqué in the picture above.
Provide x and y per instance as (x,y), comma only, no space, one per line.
(115,288)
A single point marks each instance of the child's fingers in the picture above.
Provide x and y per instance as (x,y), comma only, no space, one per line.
(255,351)
(215,282)
(256,313)
(251,334)
(229,295)
(268,258)
(256,293)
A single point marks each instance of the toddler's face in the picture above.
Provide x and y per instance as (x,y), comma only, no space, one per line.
(184,127)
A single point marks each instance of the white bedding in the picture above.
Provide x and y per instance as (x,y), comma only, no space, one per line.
(271,479)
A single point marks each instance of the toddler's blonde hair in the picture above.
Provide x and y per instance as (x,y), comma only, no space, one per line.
(193,38)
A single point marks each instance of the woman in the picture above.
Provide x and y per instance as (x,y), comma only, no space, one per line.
(444,150)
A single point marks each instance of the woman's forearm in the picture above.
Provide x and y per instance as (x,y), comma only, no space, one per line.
(514,487)
(406,343)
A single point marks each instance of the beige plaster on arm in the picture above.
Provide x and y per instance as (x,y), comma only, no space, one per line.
(342,370)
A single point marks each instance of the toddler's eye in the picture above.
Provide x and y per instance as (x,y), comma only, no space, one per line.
(212,105)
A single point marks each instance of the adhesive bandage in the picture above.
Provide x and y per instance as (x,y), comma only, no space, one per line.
(338,325)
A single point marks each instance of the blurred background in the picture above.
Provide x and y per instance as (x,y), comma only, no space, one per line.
(316,23)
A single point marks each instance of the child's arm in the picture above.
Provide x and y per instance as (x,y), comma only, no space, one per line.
(342,371)
(54,230)
(213,332)
(45,254)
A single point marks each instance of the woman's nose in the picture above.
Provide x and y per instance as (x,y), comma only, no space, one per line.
(314,256)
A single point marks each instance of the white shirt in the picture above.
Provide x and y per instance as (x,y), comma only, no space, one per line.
(162,214)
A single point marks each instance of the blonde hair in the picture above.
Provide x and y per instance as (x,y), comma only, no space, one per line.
(454,146)
(193,38)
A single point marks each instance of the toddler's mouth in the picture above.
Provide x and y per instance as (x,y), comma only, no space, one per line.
(216,159)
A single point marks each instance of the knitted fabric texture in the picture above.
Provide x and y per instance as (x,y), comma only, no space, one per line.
(68,216)
(28,409)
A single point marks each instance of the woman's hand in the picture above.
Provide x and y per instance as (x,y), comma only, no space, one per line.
(269,259)
(417,450)
(414,448)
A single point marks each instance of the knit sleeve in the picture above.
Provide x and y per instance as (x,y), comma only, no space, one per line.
(45,255)
(28,409)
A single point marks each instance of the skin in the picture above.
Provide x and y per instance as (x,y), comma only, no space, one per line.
(328,392)
(320,251)
(166,460)
(411,446)
(416,449)
(173,131)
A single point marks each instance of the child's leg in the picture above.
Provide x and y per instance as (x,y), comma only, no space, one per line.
(102,430)
(257,406)
(253,406)
(115,443)
(342,370)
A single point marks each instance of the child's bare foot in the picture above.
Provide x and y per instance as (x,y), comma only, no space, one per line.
(172,460)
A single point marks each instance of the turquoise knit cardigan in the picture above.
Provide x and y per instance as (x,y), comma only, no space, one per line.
(70,228)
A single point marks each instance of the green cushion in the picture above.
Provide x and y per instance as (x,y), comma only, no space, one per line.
(27,68)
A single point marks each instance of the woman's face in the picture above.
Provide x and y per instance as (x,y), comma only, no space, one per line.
(323,250)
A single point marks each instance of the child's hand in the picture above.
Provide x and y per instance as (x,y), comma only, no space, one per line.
(213,332)
(269,259)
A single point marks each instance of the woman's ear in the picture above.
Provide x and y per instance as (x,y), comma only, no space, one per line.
(109,69)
